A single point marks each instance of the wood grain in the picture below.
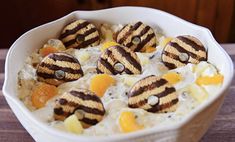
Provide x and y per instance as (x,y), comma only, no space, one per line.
(185,9)
(223,23)
(222,130)
(206,13)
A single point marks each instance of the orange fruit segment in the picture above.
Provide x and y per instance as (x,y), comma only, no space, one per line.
(148,49)
(210,80)
(128,122)
(100,83)
(47,50)
(172,77)
(42,93)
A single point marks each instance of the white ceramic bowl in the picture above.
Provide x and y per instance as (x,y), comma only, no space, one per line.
(191,128)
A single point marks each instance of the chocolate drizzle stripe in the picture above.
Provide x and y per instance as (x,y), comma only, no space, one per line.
(74,30)
(98,70)
(154,45)
(128,57)
(157,108)
(65,69)
(167,91)
(182,50)
(107,65)
(125,35)
(142,44)
(164,93)
(84,96)
(88,42)
(120,31)
(148,87)
(85,108)
(128,71)
(89,121)
(136,26)
(173,56)
(71,42)
(58,111)
(61,57)
(191,43)
(45,75)
(169,65)
(52,76)
(144,31)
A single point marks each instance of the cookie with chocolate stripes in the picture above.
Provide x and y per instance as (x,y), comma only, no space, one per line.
(117,60)
(183,50)
(153,94)
(57,68)
(80,34)
(85,104)
(136,36)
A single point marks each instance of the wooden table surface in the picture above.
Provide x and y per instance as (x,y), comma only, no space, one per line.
(222,130)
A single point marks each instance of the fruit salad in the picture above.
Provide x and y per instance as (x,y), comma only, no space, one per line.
(101,79)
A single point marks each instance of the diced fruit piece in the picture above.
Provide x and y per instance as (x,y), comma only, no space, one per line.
(172,77)
(100,83)
(210,80)
(150,49)
(42,93)
(143,59)
(198,93)
(52,46)
(107,45)
(72,124)
(47,50)
(128,122)
(199,68)
(82,56)
(164,42)
(129,80)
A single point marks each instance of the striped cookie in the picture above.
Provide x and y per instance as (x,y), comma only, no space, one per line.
(85,104)
(137,36)
(183,50)
(57,68)
(153,94)
(80,34)
(118,60)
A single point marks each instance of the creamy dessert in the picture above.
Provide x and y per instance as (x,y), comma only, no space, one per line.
(109,79)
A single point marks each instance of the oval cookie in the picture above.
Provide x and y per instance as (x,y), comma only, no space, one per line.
(117,60)
(136,36)
(85,104)
(57,68)
(153,94)
(183,50)
(80,34)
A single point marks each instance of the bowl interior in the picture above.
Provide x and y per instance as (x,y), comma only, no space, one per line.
(165,23)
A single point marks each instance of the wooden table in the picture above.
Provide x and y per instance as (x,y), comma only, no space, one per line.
(223,129)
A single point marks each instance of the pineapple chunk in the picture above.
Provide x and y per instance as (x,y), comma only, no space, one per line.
(82,56)
(107,45)
(129,80)
(72,124)
(164,42)
(143,59)
(172,77)
(128,122)
(198,93)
